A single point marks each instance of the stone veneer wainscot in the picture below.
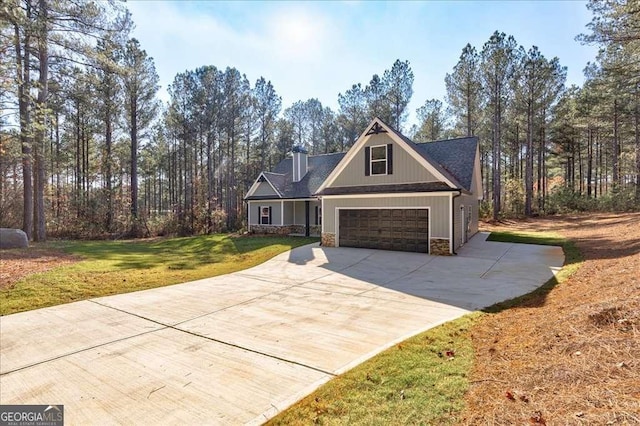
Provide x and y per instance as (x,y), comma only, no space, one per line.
(440,247)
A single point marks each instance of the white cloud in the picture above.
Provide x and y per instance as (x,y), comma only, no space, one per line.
(296,35)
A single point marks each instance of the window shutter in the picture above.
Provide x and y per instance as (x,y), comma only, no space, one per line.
(270,222)
(390,159)
(316,216)
(367,161)
(260,215)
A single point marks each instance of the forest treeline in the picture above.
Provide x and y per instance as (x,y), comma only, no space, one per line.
(88,150)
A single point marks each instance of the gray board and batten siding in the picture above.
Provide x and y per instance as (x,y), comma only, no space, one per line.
(439,206)
(406,169)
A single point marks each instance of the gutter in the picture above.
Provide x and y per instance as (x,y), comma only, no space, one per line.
(453,224)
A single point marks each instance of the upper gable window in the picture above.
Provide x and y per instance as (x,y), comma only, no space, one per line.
(379,160)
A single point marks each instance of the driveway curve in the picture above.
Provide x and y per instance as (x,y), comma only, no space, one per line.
(239,348)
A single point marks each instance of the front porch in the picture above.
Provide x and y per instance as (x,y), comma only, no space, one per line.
(300,217)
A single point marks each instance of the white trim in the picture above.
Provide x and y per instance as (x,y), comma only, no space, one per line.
(395,138)
(322,223)
(249,216)
(377,184)
(463,233)
(371,160)
(337,220)
(290,200)
(477,175)
(261,215)
(255,186)
(281,212)
(451,225)
(394,195)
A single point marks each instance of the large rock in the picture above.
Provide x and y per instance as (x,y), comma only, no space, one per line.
(13,238)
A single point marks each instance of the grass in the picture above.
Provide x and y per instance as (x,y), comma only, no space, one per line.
(415,382)
(112,267)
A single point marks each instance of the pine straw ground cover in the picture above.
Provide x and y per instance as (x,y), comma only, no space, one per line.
(572,355)
(18,263)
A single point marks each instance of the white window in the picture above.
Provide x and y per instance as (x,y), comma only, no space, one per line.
(379,160)
(265,215)
(318,215)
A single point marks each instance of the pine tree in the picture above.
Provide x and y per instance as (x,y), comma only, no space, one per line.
(140,89)
(431,121)
(399,84)
(464,91)
(497,68)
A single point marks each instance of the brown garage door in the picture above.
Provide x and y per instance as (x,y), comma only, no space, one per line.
(385,229)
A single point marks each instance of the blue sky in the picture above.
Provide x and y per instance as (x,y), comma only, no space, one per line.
(319,49)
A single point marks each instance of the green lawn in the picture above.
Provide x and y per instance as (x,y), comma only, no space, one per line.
(416,382)
(419,381)
(112,267)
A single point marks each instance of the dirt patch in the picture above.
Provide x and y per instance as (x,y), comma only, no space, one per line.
(572,356)
(18,263)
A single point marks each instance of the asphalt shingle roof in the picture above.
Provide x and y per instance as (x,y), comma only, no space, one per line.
(454,158)
(387,188)
(279,181)
(320,166)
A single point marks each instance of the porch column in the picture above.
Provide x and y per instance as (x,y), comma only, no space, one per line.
(306,218)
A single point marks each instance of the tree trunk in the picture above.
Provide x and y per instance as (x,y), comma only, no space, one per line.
(134,164)
(468,99)
(528,174)
(41,110)
(57,166)
(616,149)
(543,145)
(589,162)
(496,154)
(108,172)
(23,77)
(78,169)
(637,135)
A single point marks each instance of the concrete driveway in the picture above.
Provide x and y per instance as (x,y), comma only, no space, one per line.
(238,348)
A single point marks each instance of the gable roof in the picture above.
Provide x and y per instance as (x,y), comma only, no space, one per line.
(276,180)
(319,168)
(453,160)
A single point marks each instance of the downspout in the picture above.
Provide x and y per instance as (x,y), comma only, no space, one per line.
(453,225)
